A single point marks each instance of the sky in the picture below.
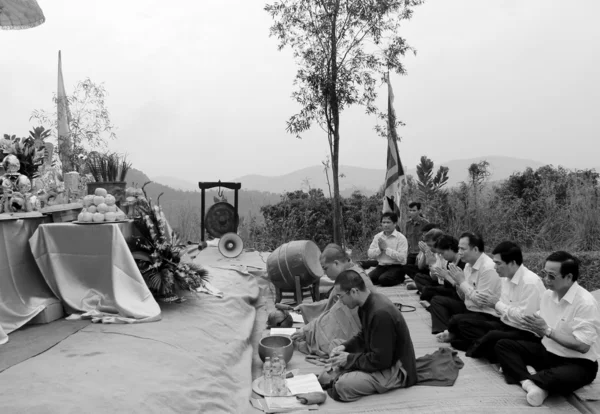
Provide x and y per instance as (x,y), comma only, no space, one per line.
(199,91)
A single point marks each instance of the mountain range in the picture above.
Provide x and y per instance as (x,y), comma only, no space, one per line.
(366,180)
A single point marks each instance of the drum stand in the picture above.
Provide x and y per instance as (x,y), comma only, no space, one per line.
(299,293)
(207,185)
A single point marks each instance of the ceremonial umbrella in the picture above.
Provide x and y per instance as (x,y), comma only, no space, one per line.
(20,14)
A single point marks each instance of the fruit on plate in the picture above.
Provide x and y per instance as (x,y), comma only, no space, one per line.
(110,216)
(110,200)
(102,208)
(98,217)
(100,192)
(86,217)
(88,200)
(112,209)
(98,200)
(92,209)
(120,216)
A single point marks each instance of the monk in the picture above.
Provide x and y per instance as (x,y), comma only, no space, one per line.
(328,323)
(380,357)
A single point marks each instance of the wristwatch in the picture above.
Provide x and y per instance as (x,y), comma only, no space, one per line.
(548,332)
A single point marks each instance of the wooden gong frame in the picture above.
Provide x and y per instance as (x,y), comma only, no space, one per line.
(205,185)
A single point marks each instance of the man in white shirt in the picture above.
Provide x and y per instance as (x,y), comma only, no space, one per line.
(390,249)
(569,323)
(479,276)
(520,295)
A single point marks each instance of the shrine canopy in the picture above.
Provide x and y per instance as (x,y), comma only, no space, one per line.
(20,14)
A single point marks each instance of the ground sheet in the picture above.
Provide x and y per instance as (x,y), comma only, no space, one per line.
(197,359)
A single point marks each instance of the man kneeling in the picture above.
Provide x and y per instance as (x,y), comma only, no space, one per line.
(381,356)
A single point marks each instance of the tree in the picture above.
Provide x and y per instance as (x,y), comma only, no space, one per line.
(90,123)
(341,48)
(428,184)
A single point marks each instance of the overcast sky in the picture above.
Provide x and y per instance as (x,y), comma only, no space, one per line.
(199,91)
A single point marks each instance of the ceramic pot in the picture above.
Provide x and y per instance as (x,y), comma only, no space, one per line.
(282,345)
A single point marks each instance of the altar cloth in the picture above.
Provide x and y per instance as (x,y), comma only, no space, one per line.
(90,269)
(23,291)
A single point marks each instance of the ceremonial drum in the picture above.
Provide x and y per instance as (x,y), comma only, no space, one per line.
(295,267)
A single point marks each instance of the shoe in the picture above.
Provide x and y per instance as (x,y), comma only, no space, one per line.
(411,286)
(425,304)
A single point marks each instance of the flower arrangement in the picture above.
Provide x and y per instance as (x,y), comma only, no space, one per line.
(158,252)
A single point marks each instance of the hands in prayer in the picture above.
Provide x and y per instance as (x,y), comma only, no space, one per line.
(382,244)
(536,324)
(485,299)
(338,357)
(423,247)
(456,273)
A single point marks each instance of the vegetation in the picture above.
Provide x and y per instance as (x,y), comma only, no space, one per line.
(107,167)
(89,122)
(543,210)
(342,48)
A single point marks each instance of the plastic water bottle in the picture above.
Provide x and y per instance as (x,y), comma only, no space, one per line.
(268,375)
(283,375)
(276,368)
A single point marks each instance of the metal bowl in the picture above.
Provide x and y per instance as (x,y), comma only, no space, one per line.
(281,345)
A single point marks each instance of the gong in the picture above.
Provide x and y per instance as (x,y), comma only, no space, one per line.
(221,218)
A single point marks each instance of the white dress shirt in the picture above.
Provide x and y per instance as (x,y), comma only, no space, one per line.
(481,277)
(576,314)
(394,254)
(520,296)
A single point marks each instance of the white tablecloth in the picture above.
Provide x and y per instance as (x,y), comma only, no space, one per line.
(90,269)
(23,291)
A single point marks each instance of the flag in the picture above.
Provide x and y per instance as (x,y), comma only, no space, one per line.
(395,173)
(64,119)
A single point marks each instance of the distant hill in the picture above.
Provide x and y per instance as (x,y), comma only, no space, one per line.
(368,181)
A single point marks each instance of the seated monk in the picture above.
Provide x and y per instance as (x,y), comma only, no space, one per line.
(569,324)
(381,357)
(327,320)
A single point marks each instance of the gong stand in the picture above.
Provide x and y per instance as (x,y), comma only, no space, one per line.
(207,185)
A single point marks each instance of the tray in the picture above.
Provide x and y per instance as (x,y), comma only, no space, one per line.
(258,387)
(101,222)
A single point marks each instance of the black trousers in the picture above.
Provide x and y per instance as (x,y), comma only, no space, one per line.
(555,374)
(483,334)
(469,317)
(442,309)
(387,275)
(430,288)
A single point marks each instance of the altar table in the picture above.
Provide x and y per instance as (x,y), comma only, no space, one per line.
(23,291)
(90,268)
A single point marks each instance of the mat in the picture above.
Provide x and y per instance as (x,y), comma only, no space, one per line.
(479,387)
(197,359)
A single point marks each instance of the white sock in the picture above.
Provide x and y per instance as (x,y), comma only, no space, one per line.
(535,395)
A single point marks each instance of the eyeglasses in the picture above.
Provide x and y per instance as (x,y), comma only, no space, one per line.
(546,275)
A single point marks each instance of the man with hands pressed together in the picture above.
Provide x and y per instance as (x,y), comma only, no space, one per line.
(389,248)
(520,295)
(381,356)
(569,323)
(478,276)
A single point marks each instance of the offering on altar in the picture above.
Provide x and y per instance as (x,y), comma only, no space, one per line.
(16,188)
(100,207)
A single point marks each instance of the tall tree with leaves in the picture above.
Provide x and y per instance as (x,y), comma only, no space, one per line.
(90,123)
(429,184)
(341,47)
